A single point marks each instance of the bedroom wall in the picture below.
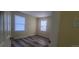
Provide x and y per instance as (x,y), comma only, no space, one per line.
(54,28)
(5,31)
(68,34)
(30,26)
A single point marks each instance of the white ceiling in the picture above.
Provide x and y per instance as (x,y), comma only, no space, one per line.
(38,13)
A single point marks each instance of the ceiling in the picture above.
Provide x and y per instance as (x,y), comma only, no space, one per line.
(38,13)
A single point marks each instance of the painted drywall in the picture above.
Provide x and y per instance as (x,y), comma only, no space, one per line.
(54,28)
(5,29)
(30,26)
(68,34)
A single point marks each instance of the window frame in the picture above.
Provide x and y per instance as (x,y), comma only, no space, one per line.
(24,25)
(43,19)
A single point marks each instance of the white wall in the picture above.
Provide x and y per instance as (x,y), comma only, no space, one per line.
(30,26)
(54,28)
(5,41)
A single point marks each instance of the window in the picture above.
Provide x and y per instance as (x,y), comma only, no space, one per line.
(19,23)
(43,25)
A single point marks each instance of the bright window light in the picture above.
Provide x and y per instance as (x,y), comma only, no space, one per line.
(43,25)
(19,23)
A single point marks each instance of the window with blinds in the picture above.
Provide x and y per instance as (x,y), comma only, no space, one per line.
(19,23)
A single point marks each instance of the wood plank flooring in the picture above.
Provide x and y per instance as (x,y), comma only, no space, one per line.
(31,41)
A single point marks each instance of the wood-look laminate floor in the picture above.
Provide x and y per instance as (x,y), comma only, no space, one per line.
(31,41)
